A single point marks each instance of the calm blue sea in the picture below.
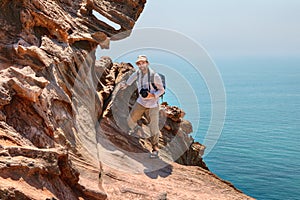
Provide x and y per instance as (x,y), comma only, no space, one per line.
(259,148)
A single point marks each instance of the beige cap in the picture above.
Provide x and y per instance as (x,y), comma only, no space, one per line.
(141,58)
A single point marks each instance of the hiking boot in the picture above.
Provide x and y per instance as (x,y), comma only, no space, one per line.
(131,132)
(154,154)
(136,131)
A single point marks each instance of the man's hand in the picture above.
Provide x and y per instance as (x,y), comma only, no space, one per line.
(150,95)
(123,85)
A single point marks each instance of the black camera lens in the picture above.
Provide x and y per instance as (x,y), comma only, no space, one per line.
(144,92)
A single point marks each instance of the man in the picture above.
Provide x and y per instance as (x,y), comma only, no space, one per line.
(148,100)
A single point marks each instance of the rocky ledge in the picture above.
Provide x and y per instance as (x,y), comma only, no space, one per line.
(62,128)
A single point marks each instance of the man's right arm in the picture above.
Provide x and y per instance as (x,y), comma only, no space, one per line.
(129,81)
(131,78)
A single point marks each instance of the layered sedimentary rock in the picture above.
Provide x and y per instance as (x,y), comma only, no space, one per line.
(60,136)
(48,101)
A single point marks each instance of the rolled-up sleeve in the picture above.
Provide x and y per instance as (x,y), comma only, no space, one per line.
(160,88)
(132,78)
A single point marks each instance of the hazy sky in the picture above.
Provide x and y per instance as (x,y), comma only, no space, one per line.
(233,27)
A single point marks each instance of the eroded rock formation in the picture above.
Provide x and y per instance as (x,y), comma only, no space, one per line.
(48,101)
(59,135)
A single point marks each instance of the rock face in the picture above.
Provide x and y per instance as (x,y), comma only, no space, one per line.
(62,128)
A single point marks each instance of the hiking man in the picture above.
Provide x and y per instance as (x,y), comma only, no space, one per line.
(148,100)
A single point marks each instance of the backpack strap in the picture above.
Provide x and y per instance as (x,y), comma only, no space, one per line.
(149,79)
(152,81)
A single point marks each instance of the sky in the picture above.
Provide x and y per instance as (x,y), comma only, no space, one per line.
(231,28)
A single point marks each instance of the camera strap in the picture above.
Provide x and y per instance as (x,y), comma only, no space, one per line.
(141,79)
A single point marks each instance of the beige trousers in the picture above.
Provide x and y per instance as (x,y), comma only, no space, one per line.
(152,114)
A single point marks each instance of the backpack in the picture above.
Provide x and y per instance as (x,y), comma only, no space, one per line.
(163,80)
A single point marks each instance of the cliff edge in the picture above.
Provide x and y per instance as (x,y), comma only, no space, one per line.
(62,131)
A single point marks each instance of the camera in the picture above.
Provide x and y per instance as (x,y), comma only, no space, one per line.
(144,92)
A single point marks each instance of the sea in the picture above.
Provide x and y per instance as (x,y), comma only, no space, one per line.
(246,111)
(258,148)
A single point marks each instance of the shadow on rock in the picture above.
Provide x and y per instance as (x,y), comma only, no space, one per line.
(163,172)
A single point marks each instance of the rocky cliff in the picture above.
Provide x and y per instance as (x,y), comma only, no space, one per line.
(62,129)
